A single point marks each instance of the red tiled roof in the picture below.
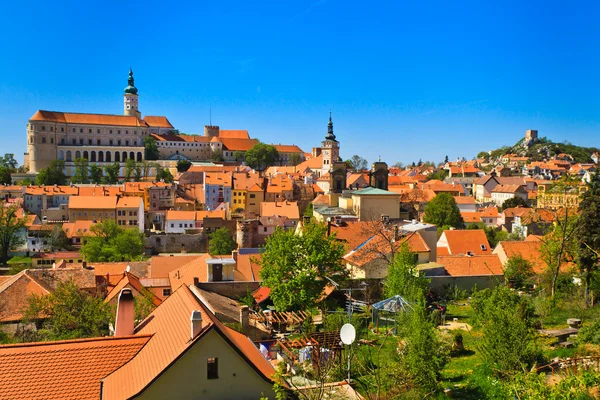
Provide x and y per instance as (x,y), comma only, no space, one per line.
(233,134)
(286,208)
(63,370)
(261,294)
(466,241)
(131,281)
(472,265)
(87,119)
(161,266)
(92,202)
(286,148)
(158,121)
(238,144)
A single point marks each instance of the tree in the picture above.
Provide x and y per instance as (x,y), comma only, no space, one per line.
(129,168)
(163,174)
(588,233)
(110,242)
(261,156)
(111,173)
(183,165)
(507,323)
(8,161)
(239,155)
(446,160)
(137,172)
(147,169)
(95,173)
(10,226)
(5,175)
(440,174)
(68,313)
(216,155)
(295,159)
(221,242)
(151,151)
(53,174)
(58,240)
(518,271)
(81,171)
(398,165)
(357,163)
(403,277)
(443,211)
(294,266)
(514,202)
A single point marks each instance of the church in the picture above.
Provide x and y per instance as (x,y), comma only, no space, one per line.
(99,138)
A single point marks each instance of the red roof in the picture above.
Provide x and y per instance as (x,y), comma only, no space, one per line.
(87,119)
(159,122)
(472,265)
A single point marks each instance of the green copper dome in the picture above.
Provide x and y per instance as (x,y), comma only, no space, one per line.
(130,89)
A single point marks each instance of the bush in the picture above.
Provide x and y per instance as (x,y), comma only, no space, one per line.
(518,271)
(590,333)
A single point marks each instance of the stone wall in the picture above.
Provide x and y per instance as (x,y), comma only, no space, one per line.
(177,243)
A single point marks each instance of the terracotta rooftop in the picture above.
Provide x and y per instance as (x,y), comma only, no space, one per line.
(129,202)
(161,266)
(174,215)
(87,119)
(63,370)
(379,247)
(238,144)
(158,122)
(285,148)
(129,281)
(529,250)
(471,265)
(233,134)
(286,208)
(465,241)
(92,202)
(78,228)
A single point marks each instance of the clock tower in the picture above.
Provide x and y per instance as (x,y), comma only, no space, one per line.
(330,149)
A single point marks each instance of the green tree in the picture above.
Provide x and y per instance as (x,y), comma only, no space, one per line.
(239,156)
(425,353)
(163,174)
(95,173)
(183,165)
(58,240)
(357,163)
(5,175)
(440,174)
(295,159)
(81,171)
(9,162)
(10,226)
(221,242)
(514,202)
(151,151)
(68,313)
(261,156)
(403,277)
(111,173)
(506,319)
(518,271)
(53,174)
(294,266)
(216,155)
(137,172)
(110,242)
(143,305)
(443,211)
(588,233)
(483,154)
(130,165)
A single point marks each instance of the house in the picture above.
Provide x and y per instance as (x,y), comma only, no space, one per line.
(465,203)
(48,259)
(76,231)
(375,204)
(501,193)
(474,265)
(92,208)
(463,242)
(528,250)
(487,216)
(179,221)
(181,344)
(287,209)
(217,188)
(130,212)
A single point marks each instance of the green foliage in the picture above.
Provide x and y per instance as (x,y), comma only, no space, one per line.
(53,175)
(111,173)
(440,174)
(216,155)
(221,242)
(10,227)
(261,156)
(507,324)
(183,165)
(110,242)
(163,174)
(514,202)
(425,353)
(518,271)
(247,299)
(95,174)
(483,154)
(81,171)
(58,240)
(532,386)
(5,176)
(403,277)
(151,151)
(239,155)
(295,159)
(587,247)
(8,161)
(442,210)
(294,266)
(130,166)
(68,313)
(143,305)
(357,163)
(309,210)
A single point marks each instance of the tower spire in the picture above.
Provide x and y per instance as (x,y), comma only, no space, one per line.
(330,135)
(130,89)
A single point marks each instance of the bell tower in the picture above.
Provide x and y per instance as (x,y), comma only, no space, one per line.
(330,149)
(130,98)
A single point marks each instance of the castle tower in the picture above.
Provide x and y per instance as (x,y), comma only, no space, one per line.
(330,149)
(130,98)
(379,175)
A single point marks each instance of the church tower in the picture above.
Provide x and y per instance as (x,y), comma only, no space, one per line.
(130,98)
(330,148)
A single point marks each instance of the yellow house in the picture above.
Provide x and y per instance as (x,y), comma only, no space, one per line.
(92,208)
(242,182)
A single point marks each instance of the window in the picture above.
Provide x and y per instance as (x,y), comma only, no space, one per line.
(212,368)
(252,196)
(62,128)
(80,130)
(73,130)
(118,132)
(52,140)
(172,225)
(110,131)
(90,131)
(43,128)
(166,292)
(97,130)
(90,142)
(80,141)
(43,139)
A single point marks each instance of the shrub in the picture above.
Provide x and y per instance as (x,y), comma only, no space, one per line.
(590,333)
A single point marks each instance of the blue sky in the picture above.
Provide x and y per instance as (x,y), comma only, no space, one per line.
(404,80)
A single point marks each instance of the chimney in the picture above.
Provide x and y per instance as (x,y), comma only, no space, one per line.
(195,323)
(245,317)
(125,314)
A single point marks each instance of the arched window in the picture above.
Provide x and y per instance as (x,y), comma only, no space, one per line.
(132,155)
(77,154)
(61,155)
(69,155)
(108,156)
(124,156)
(93,156)
(117,156)
(100,156)
(86,155)
(139,156)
